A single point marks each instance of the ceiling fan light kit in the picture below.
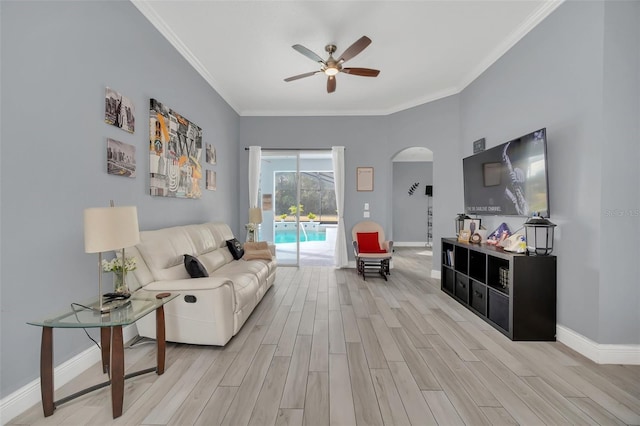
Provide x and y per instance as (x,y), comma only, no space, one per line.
(331,67)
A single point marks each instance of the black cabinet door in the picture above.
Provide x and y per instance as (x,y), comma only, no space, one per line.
(448,280)
(498,309)
(462,287)
(478,297)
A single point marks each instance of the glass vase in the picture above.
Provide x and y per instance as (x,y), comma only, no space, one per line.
(120,283)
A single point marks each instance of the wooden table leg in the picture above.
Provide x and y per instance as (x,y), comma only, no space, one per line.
(160,339)
(117,371)
(105,345)
(46,371)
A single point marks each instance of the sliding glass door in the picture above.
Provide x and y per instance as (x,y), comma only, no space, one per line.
(298,202)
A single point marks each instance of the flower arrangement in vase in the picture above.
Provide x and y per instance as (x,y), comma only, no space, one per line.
(119,270)
(251,231)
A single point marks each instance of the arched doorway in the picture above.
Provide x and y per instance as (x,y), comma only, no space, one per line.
(412,197)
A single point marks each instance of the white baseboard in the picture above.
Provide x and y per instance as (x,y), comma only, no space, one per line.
(597,352)
(27,396)
(410,244)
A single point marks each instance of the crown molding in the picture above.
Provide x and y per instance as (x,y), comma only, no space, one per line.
(147,10)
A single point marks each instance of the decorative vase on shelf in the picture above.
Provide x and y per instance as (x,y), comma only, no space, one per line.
(120,283)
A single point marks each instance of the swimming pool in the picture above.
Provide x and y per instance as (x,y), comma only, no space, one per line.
(289,236)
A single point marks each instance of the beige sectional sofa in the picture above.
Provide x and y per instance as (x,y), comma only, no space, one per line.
(210,310)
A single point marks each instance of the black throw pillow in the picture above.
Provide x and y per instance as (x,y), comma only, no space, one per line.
(235,247)
(194,267)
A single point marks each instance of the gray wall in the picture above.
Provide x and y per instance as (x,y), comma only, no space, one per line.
(410,211)
(436,126)
(583,87)
(619,294)
(57,59)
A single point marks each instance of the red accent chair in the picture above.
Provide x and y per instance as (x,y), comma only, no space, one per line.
(372,251)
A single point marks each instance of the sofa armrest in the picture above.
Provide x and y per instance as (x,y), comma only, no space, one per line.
(190,284)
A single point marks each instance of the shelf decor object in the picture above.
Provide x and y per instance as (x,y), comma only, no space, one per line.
(460,222)
(539,236)
(106,229)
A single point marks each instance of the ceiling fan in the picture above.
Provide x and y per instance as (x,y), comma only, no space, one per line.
(332,66)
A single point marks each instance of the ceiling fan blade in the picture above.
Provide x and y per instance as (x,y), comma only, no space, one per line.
(355,48)
(364,72)
(331,84)
(299,76)
(308,53)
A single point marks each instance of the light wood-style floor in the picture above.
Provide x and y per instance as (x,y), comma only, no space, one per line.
(325,347)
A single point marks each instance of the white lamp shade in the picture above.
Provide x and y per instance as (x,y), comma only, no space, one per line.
(255,215)
(110,228)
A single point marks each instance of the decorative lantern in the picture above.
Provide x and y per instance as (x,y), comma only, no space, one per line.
(539,236)
(460,222)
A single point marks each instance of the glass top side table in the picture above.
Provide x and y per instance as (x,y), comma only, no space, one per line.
(111,344)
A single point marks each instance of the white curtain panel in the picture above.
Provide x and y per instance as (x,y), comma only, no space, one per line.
(340,253)
(255,157)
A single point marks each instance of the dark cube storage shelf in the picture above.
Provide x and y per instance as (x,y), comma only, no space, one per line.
(515,293)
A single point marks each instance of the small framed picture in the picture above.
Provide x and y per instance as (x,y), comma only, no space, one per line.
(211,154)
(119,110)
(364,179)
(211,180)
(267,202)
(464,236)
(472,225)
(121,158)
(478,146)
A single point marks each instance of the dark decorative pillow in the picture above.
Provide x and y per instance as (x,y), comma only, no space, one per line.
(235,247)
(194,267)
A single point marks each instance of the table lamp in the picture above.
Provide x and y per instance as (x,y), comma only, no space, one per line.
(106,229)
(255,217)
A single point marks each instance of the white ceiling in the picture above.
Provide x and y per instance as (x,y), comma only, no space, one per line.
(425,50)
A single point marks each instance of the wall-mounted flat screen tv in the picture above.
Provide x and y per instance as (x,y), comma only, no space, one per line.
(509,179)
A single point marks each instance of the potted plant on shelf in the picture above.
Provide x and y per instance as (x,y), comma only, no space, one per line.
(311,216)
(283,216)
